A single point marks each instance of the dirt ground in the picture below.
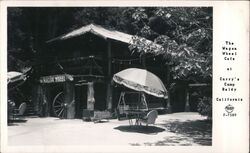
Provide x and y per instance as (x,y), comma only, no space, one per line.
(177,129)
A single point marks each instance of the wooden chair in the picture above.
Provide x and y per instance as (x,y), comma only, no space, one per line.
(150,118)
(20,111)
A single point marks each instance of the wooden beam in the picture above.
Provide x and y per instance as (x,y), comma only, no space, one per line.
(37,99)
(109,87)
(169,107)
(90,95)
(45,105)
(69,97)
(109,58)
(187,105)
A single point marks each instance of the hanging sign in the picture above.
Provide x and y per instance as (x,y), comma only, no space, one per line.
(56,78)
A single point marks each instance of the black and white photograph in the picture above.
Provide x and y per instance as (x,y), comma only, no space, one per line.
(124,76)
(127,76)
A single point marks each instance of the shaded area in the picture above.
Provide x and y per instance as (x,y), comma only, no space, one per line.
(178,129)
(101,121)
(172,141)
(140,129)
(15,122)
(198,131)
(18,121)
(12,124)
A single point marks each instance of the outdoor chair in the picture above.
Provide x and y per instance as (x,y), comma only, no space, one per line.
(20,111)
(150,117)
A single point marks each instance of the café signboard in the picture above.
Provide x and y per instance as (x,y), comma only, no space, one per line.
(56,78)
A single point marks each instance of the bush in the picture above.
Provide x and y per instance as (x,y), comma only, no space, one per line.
(205,107)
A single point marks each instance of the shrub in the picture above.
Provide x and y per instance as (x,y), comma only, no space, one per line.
(205,107)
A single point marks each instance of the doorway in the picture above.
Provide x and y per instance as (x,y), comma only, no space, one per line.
(80,99)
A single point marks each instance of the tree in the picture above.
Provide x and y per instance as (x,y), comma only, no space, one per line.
(29,29)
(184,36)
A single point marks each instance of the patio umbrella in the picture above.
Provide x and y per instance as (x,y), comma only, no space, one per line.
(141,80)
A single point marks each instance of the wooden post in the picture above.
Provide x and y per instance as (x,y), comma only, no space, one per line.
(90,95)
(109,87)
(44,100)
(187,107)
(42,106)
(169,109)
(36,94)
(69,97)
(143,60)
(48,97)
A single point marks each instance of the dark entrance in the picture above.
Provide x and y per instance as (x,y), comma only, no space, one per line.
(80,99)
(100,96)
(178,98)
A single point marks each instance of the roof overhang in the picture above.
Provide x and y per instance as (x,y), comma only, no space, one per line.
(96,30)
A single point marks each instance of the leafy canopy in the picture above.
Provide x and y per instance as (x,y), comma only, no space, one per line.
(185,36)
(183,33)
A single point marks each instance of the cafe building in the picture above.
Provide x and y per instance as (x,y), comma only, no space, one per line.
(75,76)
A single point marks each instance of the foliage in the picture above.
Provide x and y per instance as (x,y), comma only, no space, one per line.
(29,29)
(185,36)
(205,107)
(181,35)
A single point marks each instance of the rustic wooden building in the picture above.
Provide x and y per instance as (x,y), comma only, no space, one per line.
(75,75)
(77,72)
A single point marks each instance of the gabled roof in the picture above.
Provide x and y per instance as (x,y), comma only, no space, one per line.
(96,30)
(106,34)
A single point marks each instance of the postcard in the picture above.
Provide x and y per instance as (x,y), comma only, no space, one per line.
(124,76)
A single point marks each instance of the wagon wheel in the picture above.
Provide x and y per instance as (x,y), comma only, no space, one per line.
(59,106)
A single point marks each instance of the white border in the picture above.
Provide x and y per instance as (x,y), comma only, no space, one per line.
(231,22)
